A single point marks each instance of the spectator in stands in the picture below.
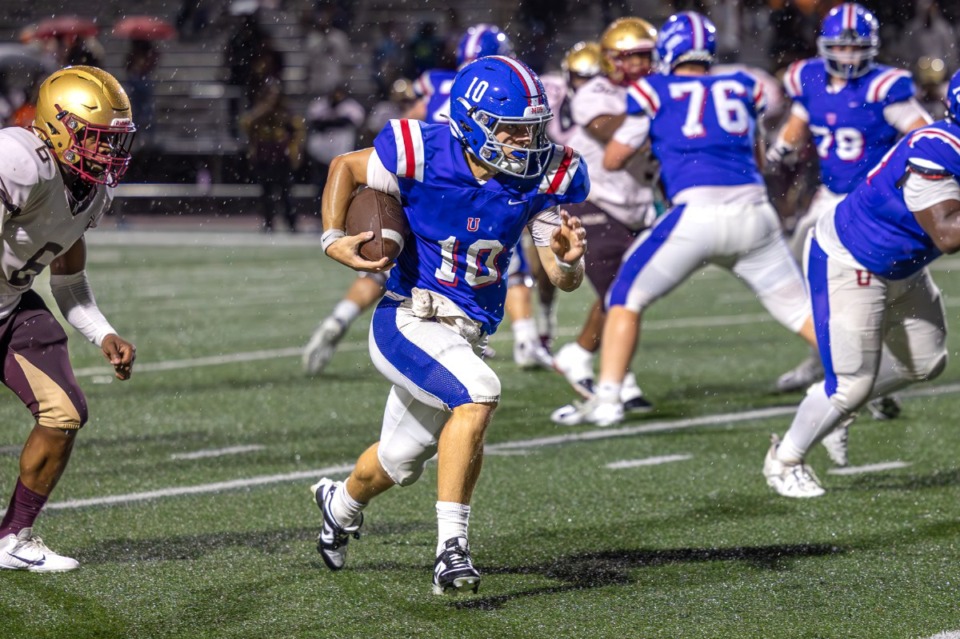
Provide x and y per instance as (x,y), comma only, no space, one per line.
(275,151)
(424,50)
(387,61)
(251,60)
(333,127)
(328,50)
(401,99)
(192,18)
(929,35)
(794,33)
(75,50)
(142,58)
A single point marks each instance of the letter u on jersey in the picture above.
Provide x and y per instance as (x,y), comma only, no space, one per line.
(473,224)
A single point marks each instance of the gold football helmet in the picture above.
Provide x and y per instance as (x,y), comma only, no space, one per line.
(624,38)
(84,116)
(583,60)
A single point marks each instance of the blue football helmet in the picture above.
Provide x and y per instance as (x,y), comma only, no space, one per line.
(849,25)
(686,37)
(482,40)
(494,95)
(953,98)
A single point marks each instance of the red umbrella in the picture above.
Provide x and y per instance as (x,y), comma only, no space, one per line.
(144,28)
(65,26)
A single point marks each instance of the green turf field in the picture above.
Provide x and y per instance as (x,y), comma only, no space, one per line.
(196,546)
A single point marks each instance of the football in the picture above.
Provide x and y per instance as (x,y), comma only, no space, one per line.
(381,213)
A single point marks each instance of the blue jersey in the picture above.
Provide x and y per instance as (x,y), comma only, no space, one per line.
(434,86)
(463,230)
(702,128)
(874,223)
(847,124)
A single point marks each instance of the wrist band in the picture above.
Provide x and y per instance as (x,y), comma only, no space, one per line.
(329,237)
(566,267)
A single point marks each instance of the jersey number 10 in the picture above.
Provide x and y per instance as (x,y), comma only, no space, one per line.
(480,263)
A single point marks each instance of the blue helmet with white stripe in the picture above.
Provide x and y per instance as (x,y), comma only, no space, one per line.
(499,112)
(953,98)
(482,40)
(686,37)
(849,40)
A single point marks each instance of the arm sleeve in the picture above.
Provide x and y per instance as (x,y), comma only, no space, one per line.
(543,224)
(634,131)
(901,115)
(921,191)
(379,178)
(75,300)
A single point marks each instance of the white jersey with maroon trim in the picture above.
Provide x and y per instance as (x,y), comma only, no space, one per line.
(38,223)
(626,195)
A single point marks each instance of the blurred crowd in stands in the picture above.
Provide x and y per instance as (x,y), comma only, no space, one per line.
(359,75)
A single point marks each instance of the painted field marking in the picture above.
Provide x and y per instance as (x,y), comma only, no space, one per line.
(200,489)
(868,468)
(649,461)
(218,452)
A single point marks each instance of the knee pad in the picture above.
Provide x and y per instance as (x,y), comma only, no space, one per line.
(405,467)
(409,436)
(852,393)
(934,367)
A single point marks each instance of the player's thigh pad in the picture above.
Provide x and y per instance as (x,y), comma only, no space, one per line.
(37,367)
(409,436)
(767,267)
(916,327)
(849,308)
(430,360)
(662,257)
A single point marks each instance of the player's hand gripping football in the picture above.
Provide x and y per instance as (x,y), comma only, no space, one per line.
(120,353)
(569,240)
(346,250)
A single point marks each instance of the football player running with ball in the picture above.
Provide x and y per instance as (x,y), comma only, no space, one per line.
(879,316)
(56,181)
(468,190)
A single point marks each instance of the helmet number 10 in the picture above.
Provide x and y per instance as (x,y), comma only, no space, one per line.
(476,89)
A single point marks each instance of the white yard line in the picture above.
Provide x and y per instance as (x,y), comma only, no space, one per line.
(218,452)
(869,468)
(200,489)
(649,461)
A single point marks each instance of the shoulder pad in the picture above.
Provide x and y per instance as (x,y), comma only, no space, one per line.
(793,78)
(400,147)
(565,164)
(642,98)
(25,161)
(891,85)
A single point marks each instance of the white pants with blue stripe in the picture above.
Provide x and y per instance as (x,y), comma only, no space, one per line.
(433,369)
(875,335)
(742,238)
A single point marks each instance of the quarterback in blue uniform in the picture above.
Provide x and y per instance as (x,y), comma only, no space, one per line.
(879,316)
(855,110)
(468,190)
(432,89)
(703,131)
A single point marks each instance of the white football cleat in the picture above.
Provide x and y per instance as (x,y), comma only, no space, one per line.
(591,411)
(529,355)
(453,570)
(789,480)
(836,442)
(801,376)
(322,344)
(23,551)
(884,408)
(632,397)
(576,364)
(333,538)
